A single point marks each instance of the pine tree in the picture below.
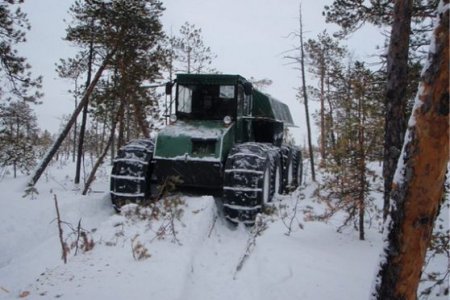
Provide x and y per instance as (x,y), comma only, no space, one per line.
(44,141)
(351,15)
(325,55)
(18,133)
(358,120)
(73,69)
(191,53)
(16,80)
(411,22)
(129,36)
(17,88)
(134,29)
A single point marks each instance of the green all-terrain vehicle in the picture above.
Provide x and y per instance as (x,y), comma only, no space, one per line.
(225,136)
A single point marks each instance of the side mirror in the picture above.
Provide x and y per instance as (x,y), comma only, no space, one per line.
(169,88)
(248,88)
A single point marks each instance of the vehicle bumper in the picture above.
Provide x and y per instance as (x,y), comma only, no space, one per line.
(201,173)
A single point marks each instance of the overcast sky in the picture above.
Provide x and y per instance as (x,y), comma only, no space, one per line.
(248,36)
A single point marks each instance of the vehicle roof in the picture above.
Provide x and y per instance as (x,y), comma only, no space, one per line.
(224,79)
(264,105)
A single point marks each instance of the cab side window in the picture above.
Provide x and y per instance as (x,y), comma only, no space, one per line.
(240,101)
(244,107)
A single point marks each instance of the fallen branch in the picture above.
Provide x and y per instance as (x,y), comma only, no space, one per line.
(78,236)
(64,247)
(293,216)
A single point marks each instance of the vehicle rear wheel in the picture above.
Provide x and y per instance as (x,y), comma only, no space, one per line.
(288,168)
(266,187)
(131,173)
(276,176)
(298,167)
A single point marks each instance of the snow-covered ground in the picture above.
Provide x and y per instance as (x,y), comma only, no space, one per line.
(205,258)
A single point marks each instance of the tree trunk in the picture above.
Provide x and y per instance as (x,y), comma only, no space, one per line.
(84,117)
(418,182)
(74,145)
(127,116)
(361,168)
(305,97)
(330,126)
(189,61)
(81,143)
(395,101)
(120,137)
(361,202)
(101,145)
(16,142)
(102,156)
(140,118)
(46,160)
(113,149)
(322,117)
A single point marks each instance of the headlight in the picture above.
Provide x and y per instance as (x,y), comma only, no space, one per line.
(173,119)
(227,120)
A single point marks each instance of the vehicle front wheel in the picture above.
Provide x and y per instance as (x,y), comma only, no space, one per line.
(248,181)
(131,173)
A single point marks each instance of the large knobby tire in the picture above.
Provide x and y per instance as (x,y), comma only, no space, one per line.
(298,167)
(131,173)
(288,168)
(276,169)
(249,182)
(277,175)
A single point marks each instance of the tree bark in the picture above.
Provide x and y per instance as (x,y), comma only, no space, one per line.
(48,157)
(305,98)
(121,121)
(322,117)
(330,126)
(127,116)
(361,168)
(140,118)
(75,131)
(84,117)
(395,101)
(418,183)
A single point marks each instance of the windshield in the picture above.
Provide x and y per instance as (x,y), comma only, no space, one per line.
(209,102)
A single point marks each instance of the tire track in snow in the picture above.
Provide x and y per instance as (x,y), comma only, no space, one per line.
(214,260)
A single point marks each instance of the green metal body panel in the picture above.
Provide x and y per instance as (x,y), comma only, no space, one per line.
(228,141)
(178,141)
(265,106)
